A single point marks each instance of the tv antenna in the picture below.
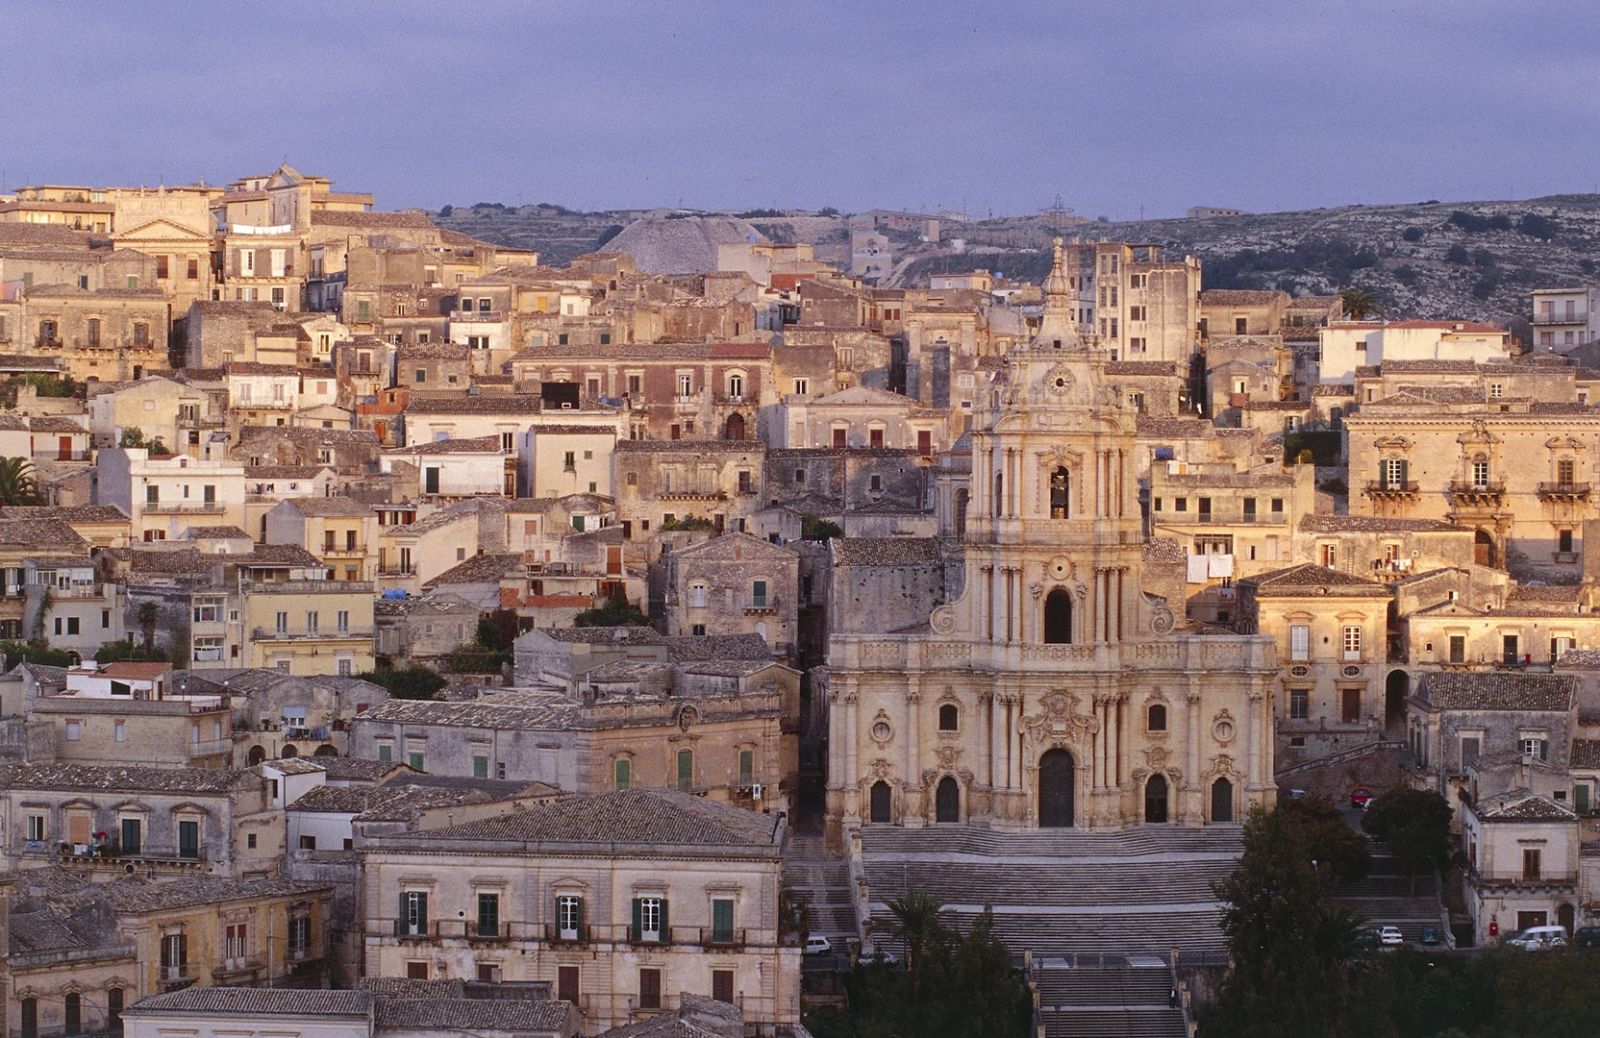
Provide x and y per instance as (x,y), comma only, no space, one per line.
(1058,214)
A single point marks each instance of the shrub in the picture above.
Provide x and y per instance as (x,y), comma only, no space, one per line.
(1458,253)
(407,682)
(1536,226)
(1412,234)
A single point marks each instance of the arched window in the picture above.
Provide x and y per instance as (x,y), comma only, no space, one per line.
(1058,617)
(734,429)
(999,493)
(736,386)
(1156,718)
(1060,492)
(948,716)
(880,803)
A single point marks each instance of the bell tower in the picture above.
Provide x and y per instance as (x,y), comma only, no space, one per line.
(1054,539)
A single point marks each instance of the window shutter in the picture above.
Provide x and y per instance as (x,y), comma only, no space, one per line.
(578,915)
(1405,471)
(405,909)
(638,919)
(422,912)
(1383,473)
(666,934)
(183,950)
(1544,754)
(485,925)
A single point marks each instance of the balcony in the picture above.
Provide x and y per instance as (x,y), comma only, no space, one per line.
(109,857)
(184,508)
(557,935)
(761,607)
(1391,489)
(330,551)
(1563,491)
(711,937)
(272,634)
(183,973)
(235,971)
(695,495)
(308,587)
(408,931)
(1573,317)
(477,316)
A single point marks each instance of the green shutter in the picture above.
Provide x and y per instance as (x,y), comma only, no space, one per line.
(666,934)
(422,912)
(1580,797)
(578,917)
(1405,472)
(488,915)
(722,919)
(747,766)
(638,919)
(685,769)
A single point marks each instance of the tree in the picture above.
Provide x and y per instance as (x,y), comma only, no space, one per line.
(406,682)
(132,437)
(34,652)
(1412,234)
(617,612)
(956,986)
(1359,304)
(17,483)
(916,923)
(1415,823)
(117,652)
(498,629)
(1458,253)
(1290,950)
(1339,852)
(814,529)
(147,614)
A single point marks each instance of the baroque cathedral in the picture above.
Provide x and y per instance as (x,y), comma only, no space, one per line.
(1061,688)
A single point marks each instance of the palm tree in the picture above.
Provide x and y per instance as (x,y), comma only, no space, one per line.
(147,614)
(916,922)
(17,483)
(1359,304)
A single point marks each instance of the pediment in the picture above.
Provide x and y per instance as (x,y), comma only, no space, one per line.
(160,229)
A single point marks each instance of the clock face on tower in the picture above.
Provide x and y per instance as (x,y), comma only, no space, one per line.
(1059,380)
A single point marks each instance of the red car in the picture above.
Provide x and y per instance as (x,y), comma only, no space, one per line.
(1360,797)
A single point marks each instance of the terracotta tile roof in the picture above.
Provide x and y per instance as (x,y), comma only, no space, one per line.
(520,713)
(329,506)
(1496,690)
(1309,579)
(409,218)
(1521,805)
(886,551)
(1141,367)
(89,777)
(393,800)
(1585,753)
(1373,524)
(707,647)
(1240,297)
(469,1015)
(296,1003)
(66,513)
(478,569)
(631,816)
(690,446)
(53,534)
(473,445)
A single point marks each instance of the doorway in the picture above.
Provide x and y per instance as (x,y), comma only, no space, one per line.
(1057,774)
(947,801)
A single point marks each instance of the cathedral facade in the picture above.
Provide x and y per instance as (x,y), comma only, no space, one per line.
(1058,690)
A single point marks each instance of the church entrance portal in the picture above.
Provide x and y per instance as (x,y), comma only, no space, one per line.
(1056,777)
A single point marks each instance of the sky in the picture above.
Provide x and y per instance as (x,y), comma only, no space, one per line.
(1122,109)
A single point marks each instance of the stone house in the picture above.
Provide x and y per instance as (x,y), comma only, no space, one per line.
(1522,863)
(828,482)
(864,417)
(133,713)
(660,482)
(165,821)
(1331,633)
(422,629)
(879,583)
(1453,717)
(164,495)
(675,894)
(735,584)
(340,531)
(1228,312)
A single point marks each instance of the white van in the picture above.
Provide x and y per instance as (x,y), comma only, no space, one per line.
(1538,938)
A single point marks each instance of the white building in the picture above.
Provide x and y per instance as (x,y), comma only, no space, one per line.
(1348,345)
(163,496)
(1565,317)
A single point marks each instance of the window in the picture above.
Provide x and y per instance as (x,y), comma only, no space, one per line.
(189,839)
(1480,473)
(413,913)
(1352,642)
(1329,554)
(1156,718)
(1458,648)
(622,772)
(35,828)
(174,955)
(736,387)
(72,1006)
(685,385)
(1530,863)
(414,760)
(342,621)
(1497,390)
(758,594)
(949,717)
(569,462)
(802,387)
(649,988)
(488,915)
(313,622)
(1299,704)
(417,970)
(1300,642)
(299,936)
(722,986)
(385,752)
(650,919)
(1535,746)
(480,766)
(1509,649)
(1060,493)
(747,767)
(1566,470)
(234,941)
(569,917)
(685,769)
(282,623)
(74,731)
(722,920)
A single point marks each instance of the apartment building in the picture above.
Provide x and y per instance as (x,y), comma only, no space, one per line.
(1564,318)
(164,495)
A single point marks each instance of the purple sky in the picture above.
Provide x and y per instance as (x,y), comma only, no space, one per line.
(1118,107)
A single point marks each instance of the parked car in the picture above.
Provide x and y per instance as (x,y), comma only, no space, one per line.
(1587,937)
(883,956)
(1368,940)
(818,945)
(1538,938)
(1389,936)
(1430,936)
(1360,797)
